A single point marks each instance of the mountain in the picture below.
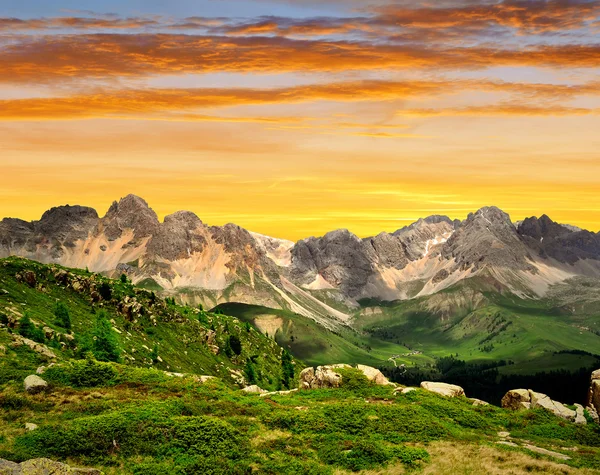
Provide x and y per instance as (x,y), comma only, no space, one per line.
(323,278)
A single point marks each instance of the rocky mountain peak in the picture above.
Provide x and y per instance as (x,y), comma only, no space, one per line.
(185,219)
(67,222)
(542,228)
(131,212)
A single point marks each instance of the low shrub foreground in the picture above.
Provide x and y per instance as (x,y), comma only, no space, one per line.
(136,421)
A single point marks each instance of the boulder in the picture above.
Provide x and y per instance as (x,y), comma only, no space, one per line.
(322,377)
(580,415)
(404,390)
(479,402)
(557,408)
(43,467)
(373,375)
(517,399)
(594,392)
(254,389)
(528,399)
(443,389)
(30,426)
(279,393)
(33,384)
(593,414)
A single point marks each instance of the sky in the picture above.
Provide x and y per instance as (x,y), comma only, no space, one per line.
(294,118)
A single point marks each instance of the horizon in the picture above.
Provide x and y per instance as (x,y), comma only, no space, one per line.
(407,221)
(295,118)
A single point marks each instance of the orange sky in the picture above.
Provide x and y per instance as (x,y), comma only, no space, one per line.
(310,119)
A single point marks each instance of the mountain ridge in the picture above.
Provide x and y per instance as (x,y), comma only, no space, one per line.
(322,277)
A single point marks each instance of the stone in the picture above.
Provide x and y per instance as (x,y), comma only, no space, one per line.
(405,390)
(593,414)
(279,393)
(479,402)
(43,350)
(557,408)
(580,415)
(516,399)
(373,375)
(503,434)
(30,426)
(443,389)
(322,377)
(594,391)
(550,453)
(254,389)
(33,384)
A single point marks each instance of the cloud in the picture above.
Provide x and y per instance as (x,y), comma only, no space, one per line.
(499,110)
(183,104)
(108,56)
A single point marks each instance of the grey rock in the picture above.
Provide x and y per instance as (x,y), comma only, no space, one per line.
(33,384)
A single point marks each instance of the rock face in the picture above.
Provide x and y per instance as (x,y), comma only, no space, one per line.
(33,384)
(516,399)
(43,467)
(593,401)
(443,389)
(322,378)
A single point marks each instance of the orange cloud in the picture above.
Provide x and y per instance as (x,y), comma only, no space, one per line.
(59,57)
(500,110)
(178,104)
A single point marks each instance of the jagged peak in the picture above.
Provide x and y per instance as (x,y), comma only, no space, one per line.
(68,211)
(188,218)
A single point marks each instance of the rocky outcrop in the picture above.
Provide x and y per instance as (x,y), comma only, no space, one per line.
(516,399)
(443,389)
(593,402)
(43,467)
(33,384)
(322,377)
(327,377)
(39,348)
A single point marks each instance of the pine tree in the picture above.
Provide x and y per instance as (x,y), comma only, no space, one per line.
(28,330)
(235,344)
(250,372)
(287,369)
(105,345)
(63,316)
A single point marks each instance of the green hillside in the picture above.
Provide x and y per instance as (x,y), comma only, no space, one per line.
(314,344)
(150,331)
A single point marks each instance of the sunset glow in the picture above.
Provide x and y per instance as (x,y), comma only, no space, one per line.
(295,118)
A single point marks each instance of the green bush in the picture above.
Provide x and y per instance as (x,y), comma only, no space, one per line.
(353,379)
(87,373)
(104,342)
(9,401)
(28,330)
(63,316)
(207,436)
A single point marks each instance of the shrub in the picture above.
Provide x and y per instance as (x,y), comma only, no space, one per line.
(353,379)
(28,330)
(206,436)
(235,344)
(87,373)
(250,372)
(10,401)
(105,291)
(63,316)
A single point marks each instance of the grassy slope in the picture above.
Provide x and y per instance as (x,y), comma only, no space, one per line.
(142,422)
(178,333)
(316,345)
(526,331)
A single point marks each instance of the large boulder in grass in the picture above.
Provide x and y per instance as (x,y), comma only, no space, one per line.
(517,399)
(443,389)
(320,378)
(374,375)
(43,467)
(33,384)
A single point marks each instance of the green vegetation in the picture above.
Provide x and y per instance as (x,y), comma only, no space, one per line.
(116,321)
(127,420)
